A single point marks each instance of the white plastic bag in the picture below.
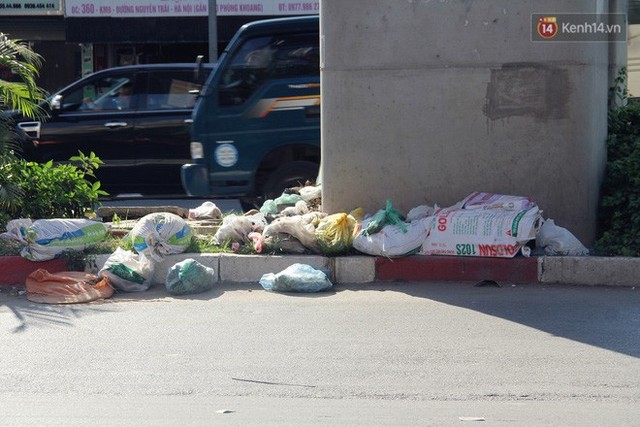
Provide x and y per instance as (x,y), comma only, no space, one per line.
(128,271)
(296,278)
(207,210)
(557,240)
(420,212)
(46,239)
(159,234)
(234,228)
(300,208)
(301,227)
(391,241)
(310,192)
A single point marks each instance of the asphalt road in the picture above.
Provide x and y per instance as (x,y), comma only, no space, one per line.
(393,354)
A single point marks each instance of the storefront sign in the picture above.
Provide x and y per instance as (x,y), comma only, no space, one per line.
(30,7)
(176,8)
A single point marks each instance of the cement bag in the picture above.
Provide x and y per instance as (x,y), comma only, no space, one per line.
(479,200)
(335,233)
(128,271)
(480,232)
(555,240)
(189,277)
(46,239)
(296,278)
(391,241)
(301,227)
(66,287)
(159,234)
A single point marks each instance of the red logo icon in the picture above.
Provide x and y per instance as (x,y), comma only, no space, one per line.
(547,27)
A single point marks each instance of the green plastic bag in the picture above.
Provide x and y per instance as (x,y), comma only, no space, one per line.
(189,277)
(383,217)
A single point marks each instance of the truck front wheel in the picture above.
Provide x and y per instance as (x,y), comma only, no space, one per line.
(292,174)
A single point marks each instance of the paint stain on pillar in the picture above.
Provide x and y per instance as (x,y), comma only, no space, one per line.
(527,89)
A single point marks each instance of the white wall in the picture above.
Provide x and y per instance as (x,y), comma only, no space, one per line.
(425,101)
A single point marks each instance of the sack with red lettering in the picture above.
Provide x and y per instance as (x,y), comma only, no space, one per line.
(478,232)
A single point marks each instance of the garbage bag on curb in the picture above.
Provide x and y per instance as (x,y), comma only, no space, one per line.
(482,232)
(296,278)
(234,228)
(301,227)
(310,192)
(128,271)
(555,240)
(391,241)
(383,217)
(66,287)
(207,210)
(482,200)
(189,277)
(335,233)
(284,243)
(46,239)
(159,234)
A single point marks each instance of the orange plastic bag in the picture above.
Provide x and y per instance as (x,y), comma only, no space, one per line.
(66,287)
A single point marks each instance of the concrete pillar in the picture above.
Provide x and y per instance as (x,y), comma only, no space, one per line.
(425,101)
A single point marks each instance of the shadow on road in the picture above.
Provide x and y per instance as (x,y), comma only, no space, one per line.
(605,317)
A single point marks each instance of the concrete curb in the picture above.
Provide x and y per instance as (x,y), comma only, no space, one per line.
(364,269)
(615,271)
(230,268)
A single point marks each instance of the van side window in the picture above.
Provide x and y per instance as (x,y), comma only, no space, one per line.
(171,90)
(264,58)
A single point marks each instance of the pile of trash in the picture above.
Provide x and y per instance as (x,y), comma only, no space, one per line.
(154,236)
(482,224)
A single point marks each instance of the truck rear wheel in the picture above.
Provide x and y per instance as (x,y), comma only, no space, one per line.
(292,174)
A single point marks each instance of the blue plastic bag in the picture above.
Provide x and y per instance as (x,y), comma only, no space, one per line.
(296,278)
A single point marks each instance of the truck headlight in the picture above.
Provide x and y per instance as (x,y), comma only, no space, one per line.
(197,152)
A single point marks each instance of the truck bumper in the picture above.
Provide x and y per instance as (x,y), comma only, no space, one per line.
(195,179)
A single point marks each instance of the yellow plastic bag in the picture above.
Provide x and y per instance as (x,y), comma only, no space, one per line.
(335,233)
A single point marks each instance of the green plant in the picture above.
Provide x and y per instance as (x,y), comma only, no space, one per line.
(56,191)
(619,213)
(619,92)
(23,96)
